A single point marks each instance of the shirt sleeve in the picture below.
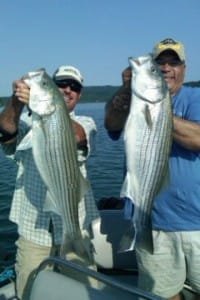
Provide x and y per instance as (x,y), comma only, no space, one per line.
(90,129)
(193,109)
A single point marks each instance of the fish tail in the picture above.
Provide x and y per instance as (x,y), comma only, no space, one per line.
(127,242)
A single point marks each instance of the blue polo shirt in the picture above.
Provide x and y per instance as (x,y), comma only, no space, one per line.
(177,207)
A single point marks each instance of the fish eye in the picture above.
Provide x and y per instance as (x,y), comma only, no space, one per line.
(153,69)
(44,83)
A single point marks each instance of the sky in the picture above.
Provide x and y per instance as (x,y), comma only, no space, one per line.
(96,36)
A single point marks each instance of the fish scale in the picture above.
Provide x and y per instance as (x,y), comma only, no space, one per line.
(147,139)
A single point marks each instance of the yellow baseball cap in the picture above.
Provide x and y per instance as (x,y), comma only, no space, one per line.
(169,44)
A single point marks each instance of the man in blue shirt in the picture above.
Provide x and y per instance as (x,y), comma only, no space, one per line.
(176,210)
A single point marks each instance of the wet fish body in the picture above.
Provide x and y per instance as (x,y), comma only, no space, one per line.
(147,138)
(55,152)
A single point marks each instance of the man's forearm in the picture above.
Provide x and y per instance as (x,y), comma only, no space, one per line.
(186,133)
(9,117)
(117,109)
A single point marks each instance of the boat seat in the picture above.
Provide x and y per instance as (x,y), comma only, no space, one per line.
(52,285)
(107,233)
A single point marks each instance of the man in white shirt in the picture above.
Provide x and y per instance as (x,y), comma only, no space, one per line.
(40,233)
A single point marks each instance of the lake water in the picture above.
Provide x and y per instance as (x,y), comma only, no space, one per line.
(105,170)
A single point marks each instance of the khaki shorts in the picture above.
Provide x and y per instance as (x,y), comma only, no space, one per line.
(28,258)
(176,256)
(30,255)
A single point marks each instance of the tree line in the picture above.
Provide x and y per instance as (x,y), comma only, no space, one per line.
(101,93)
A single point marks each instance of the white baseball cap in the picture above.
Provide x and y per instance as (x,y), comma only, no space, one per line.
(65,72)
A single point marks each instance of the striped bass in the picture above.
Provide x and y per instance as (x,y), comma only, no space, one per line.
(55,152)
(147,138)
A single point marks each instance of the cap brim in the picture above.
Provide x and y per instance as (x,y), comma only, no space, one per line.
(63,77)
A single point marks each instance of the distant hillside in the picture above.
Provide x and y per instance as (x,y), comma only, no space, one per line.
(3,100)
(89,94)
(102,93)
(98,93)
(193,83)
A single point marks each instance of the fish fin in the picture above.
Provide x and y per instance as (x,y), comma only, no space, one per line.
(26,142)
(129,187)
(128,208)
(67,243)
(147,115)
(49,204)
(125,190)
(127,242)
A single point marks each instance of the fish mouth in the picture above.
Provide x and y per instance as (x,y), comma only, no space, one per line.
(149,88)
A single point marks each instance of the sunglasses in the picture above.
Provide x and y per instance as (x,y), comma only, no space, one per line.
(74,85)
(170,62)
